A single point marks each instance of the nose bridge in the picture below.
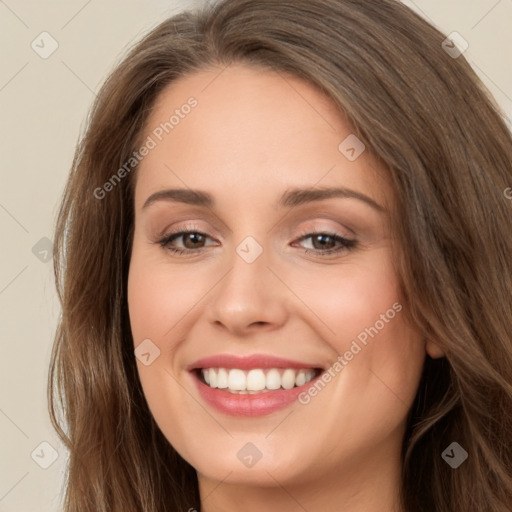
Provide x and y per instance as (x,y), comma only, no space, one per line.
(248,293)
(248,277)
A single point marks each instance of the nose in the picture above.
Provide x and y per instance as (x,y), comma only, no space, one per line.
(249,298)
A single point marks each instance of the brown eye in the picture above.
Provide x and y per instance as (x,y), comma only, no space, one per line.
(191,241)
(324,244)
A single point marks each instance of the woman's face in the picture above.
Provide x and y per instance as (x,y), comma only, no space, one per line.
(277,280)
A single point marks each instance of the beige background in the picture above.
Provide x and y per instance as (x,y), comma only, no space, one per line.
(43,104)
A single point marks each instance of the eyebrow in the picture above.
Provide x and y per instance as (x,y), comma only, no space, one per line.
(289,199)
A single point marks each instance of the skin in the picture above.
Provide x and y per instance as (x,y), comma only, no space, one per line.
(253,135)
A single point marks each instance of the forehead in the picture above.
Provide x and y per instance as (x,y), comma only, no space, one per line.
(250,131)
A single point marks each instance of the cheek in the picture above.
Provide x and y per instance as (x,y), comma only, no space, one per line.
(158,297)
(349,299)
(158,300)
(360,308)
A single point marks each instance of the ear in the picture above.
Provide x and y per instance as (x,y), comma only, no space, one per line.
(433,349)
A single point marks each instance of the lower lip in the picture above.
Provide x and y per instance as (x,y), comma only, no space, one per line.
(258,404)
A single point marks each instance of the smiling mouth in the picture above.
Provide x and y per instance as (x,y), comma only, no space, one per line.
(256,380)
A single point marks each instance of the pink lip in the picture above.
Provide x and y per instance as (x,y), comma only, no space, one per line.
(247,405)
(247,362)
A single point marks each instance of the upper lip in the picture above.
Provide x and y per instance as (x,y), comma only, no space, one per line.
(248,362)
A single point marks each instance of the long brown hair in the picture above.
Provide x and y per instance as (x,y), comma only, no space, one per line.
(427,117)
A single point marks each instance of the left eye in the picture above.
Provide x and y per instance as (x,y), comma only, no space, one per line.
(324,243)
(190,239)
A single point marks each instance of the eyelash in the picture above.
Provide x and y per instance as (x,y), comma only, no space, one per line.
(346,244)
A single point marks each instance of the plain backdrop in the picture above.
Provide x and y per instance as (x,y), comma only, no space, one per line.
(43,105)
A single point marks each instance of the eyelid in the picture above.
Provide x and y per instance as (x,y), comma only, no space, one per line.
(179,227)
(347,243)
(327,230)
(344,233)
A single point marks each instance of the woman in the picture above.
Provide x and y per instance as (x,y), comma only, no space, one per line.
(283,257)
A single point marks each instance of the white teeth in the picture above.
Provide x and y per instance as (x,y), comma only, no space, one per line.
(256,380)
(237,380)
(222,378)
(273,379)
(300,380)
(288,379)
(213,378)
